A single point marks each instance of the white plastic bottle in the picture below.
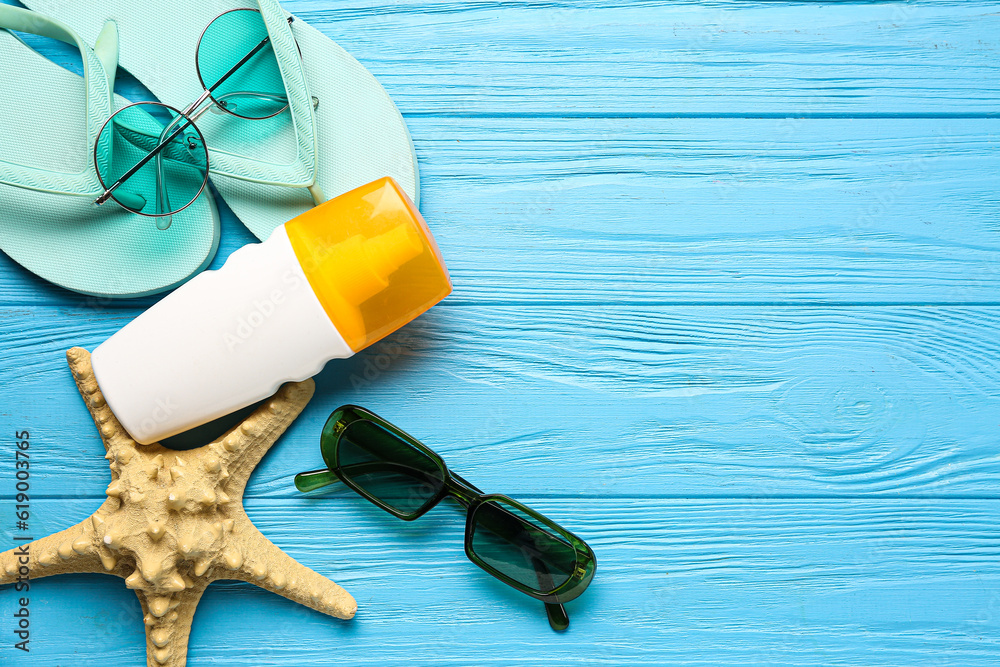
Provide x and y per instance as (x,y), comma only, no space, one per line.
(323,286)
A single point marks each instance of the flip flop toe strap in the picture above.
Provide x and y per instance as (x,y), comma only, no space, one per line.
(301,172)
(98,83)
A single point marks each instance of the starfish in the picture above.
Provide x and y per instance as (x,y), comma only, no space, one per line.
(174,522)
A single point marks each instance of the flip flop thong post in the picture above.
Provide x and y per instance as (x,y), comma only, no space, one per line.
(341,129)
(48,182)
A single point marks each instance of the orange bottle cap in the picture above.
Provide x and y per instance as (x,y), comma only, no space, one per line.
(371,261)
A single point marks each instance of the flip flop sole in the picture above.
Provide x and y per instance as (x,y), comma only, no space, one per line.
(361,135)
(103,251)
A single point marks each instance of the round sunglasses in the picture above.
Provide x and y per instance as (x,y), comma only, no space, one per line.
(151,158)
(507,539)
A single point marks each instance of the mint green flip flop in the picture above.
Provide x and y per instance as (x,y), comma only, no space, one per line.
(48,182)
(341,129)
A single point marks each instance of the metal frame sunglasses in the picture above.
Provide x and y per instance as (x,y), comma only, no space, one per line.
(251,88)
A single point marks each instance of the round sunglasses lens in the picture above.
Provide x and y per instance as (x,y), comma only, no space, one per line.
(238,68)
(160,155)
(513,543)
(388,468)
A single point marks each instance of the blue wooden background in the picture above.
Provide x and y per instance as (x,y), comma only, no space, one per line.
(727,285)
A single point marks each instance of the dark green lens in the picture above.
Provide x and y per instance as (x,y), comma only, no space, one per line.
(168,150)
(239,39)
(516,544)
(387,468)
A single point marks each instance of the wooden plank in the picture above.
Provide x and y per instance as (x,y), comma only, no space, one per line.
(807,483)
(710,211)
(661,401)
(627,58)
(587,58)
(808,582)
(696,211)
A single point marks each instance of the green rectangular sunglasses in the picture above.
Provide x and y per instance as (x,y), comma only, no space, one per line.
(397,472)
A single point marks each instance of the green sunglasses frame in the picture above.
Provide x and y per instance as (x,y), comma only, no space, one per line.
(468,496)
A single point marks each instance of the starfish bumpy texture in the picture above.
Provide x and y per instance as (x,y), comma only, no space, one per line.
(174,522)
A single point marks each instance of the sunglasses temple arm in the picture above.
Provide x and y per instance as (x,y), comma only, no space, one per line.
(315,479)
(192,114)
(162,198)
(558,618)
(139,165)
(556,612)
(464,482)
(244,59)
(107,193)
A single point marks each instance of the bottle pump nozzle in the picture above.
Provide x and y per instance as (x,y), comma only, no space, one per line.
(362,266)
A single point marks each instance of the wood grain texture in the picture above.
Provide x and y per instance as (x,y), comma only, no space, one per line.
(727,301)
(662,401)
(587,58)
(695,211)
(810,582)
(591,57)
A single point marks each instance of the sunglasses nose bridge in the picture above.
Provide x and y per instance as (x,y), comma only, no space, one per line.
(461,490)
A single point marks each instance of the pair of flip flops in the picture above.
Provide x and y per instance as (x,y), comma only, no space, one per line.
(340,130)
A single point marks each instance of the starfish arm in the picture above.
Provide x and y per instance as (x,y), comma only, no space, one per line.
(242,447)
(255,559)
(168,624)
(113,434)
(75,549)
(170,525)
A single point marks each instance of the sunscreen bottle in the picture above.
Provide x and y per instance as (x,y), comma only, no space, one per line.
(324,285)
